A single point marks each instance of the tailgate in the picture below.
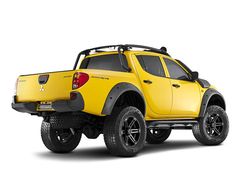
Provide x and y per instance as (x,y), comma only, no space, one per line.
(44,87)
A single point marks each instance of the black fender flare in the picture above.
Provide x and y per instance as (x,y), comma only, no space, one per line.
(206,98)
(115,93)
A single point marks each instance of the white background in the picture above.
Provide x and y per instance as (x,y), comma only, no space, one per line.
(39,36)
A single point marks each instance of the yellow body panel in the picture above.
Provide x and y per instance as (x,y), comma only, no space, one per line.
(162,101)
(186,99)
(100,83)
(158,95)
(58,87)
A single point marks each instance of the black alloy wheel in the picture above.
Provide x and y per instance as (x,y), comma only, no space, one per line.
(213,127)
(125,131)
(130,131)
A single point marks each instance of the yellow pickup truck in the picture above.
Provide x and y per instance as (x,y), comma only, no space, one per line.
(131,94)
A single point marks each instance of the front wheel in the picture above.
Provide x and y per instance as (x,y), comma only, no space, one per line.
(60,140)
(125,131)
(212,129)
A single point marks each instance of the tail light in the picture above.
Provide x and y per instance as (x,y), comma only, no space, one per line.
(79,79)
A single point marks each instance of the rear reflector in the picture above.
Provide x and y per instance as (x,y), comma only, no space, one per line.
(79,79)
(73,95)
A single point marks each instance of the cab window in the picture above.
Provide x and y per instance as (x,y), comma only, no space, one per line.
(151,64)
(104,62)
(176,71)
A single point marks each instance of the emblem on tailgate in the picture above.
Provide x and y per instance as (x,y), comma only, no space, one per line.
(41,88)
(42,80)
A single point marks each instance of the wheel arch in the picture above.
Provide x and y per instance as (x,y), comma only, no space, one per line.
(124,90)
(211,97)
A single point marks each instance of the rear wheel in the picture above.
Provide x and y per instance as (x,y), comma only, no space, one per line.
(157,136)
(59,140)
(212,129)
(125,132)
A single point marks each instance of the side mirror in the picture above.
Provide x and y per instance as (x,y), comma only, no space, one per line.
(194,75)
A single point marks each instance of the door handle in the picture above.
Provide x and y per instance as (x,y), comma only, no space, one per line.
(176,85)
(148,82)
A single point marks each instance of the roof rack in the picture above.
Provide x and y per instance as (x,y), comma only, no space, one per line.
(121,49)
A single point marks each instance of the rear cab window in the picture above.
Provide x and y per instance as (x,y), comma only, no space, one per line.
(104,62)
(151,64)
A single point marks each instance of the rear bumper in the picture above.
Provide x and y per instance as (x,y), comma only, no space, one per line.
(76,104)
(25,107)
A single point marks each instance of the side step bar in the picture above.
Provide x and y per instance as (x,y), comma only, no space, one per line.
(171,124)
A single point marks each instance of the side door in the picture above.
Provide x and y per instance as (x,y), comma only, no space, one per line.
(186,93)
(156,87)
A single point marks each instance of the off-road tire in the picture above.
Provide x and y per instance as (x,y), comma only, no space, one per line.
(59,145)
(212,129)
(116,131)
(157,136)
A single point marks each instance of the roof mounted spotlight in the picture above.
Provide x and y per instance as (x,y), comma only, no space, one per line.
(163,48)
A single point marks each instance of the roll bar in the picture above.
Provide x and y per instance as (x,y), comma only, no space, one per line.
(121,49)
